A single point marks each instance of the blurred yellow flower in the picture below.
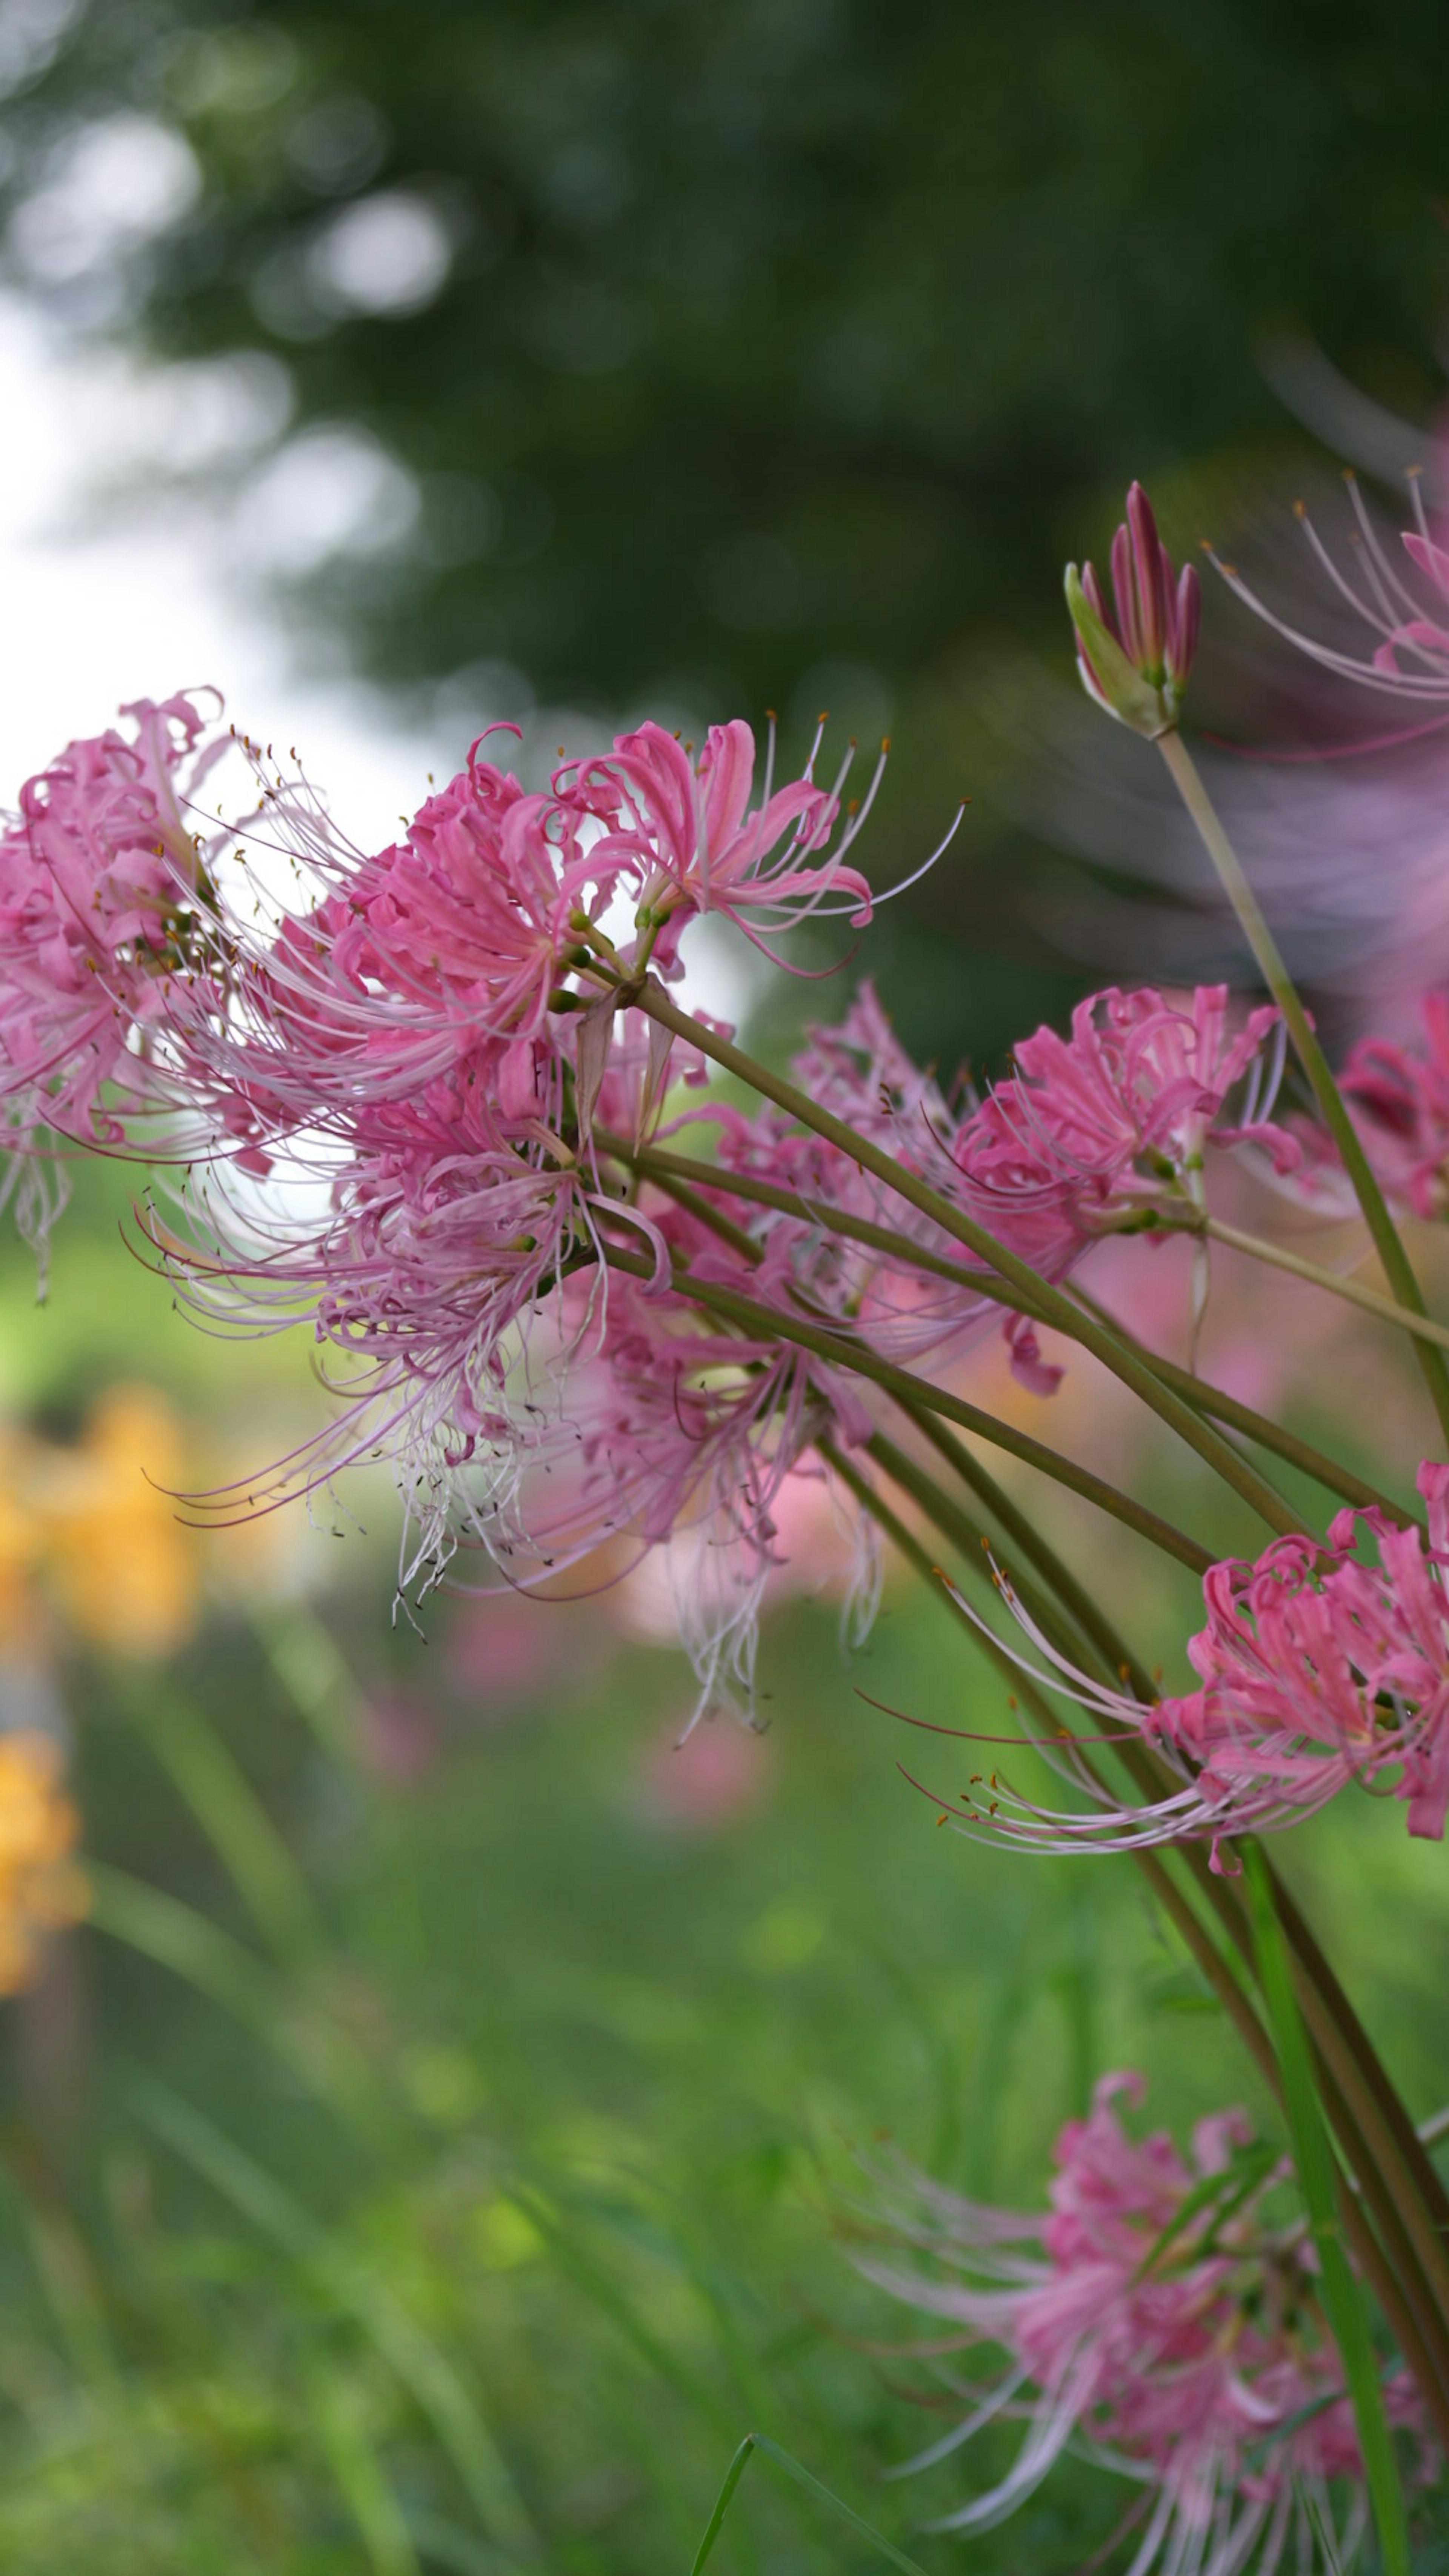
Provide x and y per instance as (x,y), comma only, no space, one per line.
(20,1541)
(123,1568)
(42,1886)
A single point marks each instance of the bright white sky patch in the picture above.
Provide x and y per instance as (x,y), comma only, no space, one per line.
(98,612)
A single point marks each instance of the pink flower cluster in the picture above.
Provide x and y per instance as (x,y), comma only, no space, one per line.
(387,1094)
(1091,1132)
(99,881)
(393,1088)
(1159,2315)
(1317,1670)
(1401,1097)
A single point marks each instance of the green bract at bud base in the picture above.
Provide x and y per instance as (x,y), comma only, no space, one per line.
(1136,665)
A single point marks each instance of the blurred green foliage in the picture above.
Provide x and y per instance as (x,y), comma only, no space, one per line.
(439,2150)
(472,2223)
(442,2174)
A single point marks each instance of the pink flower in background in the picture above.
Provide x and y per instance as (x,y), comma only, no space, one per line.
(504,1650)
(400,1737)
(701,1779)
(1408,612)
(1158,2315)
(1316,1670)
(1401,1098)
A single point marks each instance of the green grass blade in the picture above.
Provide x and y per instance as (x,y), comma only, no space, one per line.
(362,2480)
(165,1929)
(733,2475)
(233,1818)
(422,2368)
(1318,2180)
(833,2504)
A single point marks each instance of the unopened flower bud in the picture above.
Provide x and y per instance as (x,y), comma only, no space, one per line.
(1134,657)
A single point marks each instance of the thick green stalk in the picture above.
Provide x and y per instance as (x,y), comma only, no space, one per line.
(1321,2188)
(1367,2251)
(1049,1302)
(1424,2179)
(1398,1269)
(771,1323)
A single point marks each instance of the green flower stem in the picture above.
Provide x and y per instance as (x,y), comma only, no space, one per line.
(970,1537)
(1049,1302)
(1116,1658)
(1319,2183)
(1411,2146)
(1352,1291)
(1286,1445)
(1335,1479)
(909,1548)
(771,1323)
(1353,2219)
(664,1168)
(1398,1269)
(1401,2310)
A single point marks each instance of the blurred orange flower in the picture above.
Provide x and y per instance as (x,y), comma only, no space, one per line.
(42,1887)
(122,1568)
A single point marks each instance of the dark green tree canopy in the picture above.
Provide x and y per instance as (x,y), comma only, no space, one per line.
(723,344)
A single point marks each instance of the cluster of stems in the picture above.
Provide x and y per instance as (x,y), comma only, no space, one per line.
(1392,2208)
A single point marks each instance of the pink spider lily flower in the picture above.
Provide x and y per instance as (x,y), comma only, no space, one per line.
(1126,1106)
(1411,658)
(1136,663)
(1105,1125)
(1400,1099)
(1161,2318)
(684,831)
(438,1252)
(680,1438)
(446,950)
(860,1072)
(99,911)
(1317,1670)
(536,1405)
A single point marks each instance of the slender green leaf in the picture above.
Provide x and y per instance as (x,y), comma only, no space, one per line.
(1318,2179)
(362,2479)
(233,1818)
(1240,2176)
(163,1928)
(423,2370)
(843,2512)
